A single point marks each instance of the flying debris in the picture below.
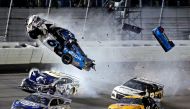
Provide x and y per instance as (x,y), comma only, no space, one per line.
(159,34)
(131,28)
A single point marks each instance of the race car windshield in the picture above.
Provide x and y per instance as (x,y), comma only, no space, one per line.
(131,101)
(38,99)
(135,85)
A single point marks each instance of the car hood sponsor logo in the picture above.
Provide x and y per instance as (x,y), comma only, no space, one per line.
(29,103)
(127,90)
(75,55)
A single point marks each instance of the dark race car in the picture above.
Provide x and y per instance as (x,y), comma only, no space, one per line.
(159,34)
(42,101)
(60,40)
(50,82)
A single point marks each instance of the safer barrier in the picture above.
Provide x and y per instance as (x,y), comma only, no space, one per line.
(99,51)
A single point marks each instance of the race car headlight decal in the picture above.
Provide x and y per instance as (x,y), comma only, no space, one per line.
(113,95)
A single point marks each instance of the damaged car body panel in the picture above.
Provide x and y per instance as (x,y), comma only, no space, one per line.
(42,101)
(159,34)
(138,86)
(50,82)
(59,40)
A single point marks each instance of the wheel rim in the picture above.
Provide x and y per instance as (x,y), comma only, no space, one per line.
(67,59)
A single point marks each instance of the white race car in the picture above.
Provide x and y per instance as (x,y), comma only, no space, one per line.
(50,82)
(138,86)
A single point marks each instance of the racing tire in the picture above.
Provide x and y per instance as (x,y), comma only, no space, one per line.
(67,58)
(34,34)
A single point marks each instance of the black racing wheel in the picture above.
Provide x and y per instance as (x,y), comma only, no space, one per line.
(34,33)
(67,58)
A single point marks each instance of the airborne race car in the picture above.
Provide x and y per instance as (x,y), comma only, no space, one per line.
(60,40)
(135,102)
(138,86)
(42,101)
(50,82)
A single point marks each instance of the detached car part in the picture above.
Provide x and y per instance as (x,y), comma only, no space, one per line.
(159,34)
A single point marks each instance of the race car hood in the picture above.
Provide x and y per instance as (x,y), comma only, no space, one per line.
(124,106)
(127,91)
(27,104)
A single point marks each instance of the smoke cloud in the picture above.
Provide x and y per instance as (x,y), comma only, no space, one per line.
(173,75)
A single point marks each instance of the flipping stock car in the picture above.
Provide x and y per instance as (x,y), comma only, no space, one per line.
(159,34)
(135,102)
(42,101)
(59,40)
(138,86)
(50,82)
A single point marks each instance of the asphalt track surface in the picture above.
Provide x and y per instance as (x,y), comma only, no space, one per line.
(9,92)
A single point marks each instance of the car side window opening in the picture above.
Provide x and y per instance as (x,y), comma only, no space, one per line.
(54,102)
(66,80)
(155,87)
(60,101)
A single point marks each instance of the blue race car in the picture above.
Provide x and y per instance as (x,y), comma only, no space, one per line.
(59,40)
(159,34)
(50,82)
(42,101)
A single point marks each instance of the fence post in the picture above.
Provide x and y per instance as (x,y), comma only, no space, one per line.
(161,13)
(8,20)
(49,8)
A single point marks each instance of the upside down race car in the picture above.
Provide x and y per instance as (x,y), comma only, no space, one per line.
(135,102)
(138,86)
(50,82)
(59,40)
(159,34)
(42,101)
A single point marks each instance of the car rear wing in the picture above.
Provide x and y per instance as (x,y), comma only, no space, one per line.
(149,81)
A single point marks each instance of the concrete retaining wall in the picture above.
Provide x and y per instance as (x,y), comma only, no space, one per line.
(105,52)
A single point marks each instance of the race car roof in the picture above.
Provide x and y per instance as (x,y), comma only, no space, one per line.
(57,74)
(147,81)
